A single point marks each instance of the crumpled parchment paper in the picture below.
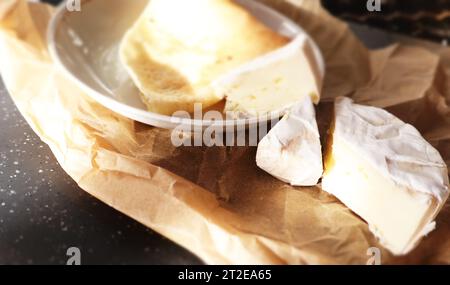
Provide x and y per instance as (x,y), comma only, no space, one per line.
(215,201)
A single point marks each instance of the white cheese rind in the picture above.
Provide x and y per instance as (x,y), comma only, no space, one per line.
(393,147)
(291,151)
(273,82)
(386,172)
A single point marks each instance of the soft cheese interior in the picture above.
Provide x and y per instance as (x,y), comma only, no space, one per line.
(383,170)
(273,82)
(178,47)
(291,151)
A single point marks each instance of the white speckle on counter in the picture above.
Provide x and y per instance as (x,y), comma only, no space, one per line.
(40,205)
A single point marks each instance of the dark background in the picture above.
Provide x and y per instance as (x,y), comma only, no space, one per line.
(428,19)
(419,18)
(43,212)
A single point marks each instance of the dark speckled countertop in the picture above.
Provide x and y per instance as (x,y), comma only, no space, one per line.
(43,212)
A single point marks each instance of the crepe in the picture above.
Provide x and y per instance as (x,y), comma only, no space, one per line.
(177,47)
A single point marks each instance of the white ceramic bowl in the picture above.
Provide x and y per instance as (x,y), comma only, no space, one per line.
(85,45)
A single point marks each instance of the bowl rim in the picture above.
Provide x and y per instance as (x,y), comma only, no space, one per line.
(136,113)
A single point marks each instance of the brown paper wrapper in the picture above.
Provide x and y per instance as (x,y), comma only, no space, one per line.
(215,201)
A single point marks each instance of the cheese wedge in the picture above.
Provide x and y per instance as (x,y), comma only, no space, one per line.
(386,172)
(273,82)
(178,47)
(291,151)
